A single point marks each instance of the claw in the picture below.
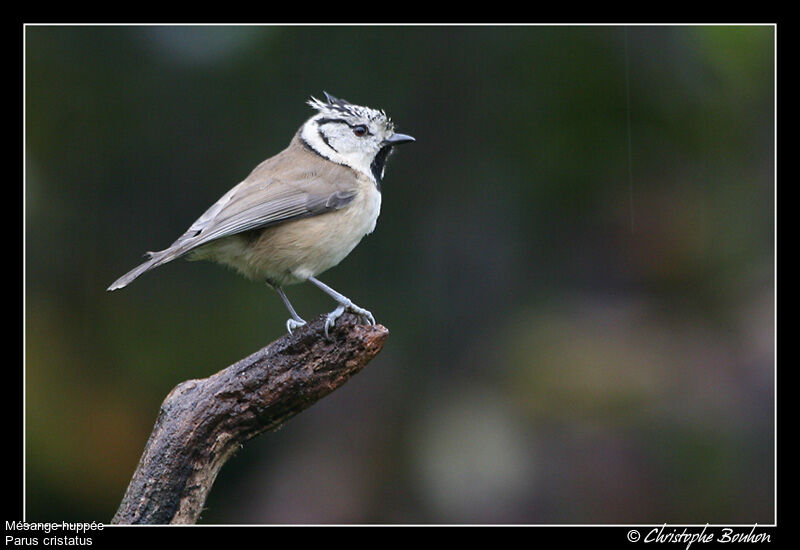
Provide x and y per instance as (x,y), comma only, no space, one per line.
(365,316)
(330,320)
(292,324)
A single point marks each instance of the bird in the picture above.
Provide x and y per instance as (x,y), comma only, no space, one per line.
(301,211)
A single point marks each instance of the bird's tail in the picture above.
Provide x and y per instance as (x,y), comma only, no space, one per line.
(155,259)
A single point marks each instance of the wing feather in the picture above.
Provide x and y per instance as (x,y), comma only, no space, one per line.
(272,203)
(271,195)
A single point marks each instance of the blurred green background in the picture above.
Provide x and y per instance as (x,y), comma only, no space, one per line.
(575,261)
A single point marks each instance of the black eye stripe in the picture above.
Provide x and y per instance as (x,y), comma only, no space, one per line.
(322,121)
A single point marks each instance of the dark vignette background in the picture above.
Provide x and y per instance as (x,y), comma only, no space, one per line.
(575,261)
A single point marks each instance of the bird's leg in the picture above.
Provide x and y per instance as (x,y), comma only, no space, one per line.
(345,304)
(296,320)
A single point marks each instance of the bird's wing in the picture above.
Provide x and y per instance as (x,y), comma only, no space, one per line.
(262,201)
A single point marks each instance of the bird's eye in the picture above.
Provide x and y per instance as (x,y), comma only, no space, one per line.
(360,130)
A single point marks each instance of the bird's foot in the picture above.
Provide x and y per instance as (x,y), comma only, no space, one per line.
(292,324)
(365,315)
(330,321)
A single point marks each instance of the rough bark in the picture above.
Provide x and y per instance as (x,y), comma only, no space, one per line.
(203,422)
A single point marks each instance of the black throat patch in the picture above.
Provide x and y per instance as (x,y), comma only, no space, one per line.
(379,164)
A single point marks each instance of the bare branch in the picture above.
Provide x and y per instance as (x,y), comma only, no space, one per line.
(203,422)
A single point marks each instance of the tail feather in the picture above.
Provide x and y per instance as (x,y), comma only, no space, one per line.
(156,259)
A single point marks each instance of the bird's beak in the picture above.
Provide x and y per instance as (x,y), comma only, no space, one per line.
(397,139)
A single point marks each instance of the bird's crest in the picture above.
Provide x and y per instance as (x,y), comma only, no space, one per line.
(335,107)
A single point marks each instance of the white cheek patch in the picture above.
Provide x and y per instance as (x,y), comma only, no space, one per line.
(313,139)
(358,161)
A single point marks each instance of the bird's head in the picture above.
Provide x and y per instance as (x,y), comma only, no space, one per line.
(353,135)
